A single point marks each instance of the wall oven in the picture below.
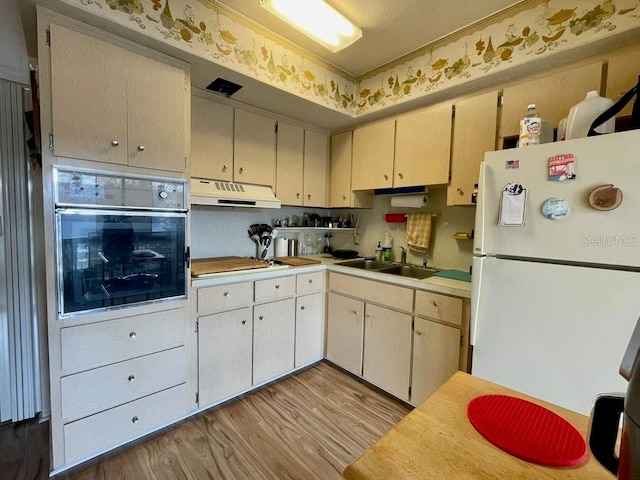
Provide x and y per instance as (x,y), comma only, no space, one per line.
(120,240)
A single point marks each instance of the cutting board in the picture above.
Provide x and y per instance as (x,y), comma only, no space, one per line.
(206,266)
(454,275)
(296,261)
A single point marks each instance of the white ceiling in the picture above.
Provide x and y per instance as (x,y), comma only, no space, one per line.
(390,28)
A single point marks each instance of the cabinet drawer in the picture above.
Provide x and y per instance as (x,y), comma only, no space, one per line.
(310,282)
(392,296)
(275,288)
(225,297)
(440,307)
(102,388)
(97,344)
(104,431)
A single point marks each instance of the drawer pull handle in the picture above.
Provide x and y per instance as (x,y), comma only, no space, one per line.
(131,378)
(224,168)
(134,420)
(400,175)
(141,148)
(260,317)
(226,294)
(419,333)
(435,304)
(277,286)
(386,177)
(244,322)
(310,280)
(355,312)
(115,143)
(132,335)
(302,307)
(241,170)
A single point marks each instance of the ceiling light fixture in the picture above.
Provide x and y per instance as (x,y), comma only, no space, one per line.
(318,20)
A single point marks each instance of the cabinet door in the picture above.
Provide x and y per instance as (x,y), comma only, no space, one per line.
(474,133)
(289,162)
(254,149)
(309,329)
(88,97)
(273,339)
(436,350)
(340,170)
(554,95)
(345,323)
(622,74)
(316,149)
(373,147)
(211,140)
(224,355)
(157,114)
(387,350)
(423,147)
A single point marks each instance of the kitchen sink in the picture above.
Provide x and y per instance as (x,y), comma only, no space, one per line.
(401,269)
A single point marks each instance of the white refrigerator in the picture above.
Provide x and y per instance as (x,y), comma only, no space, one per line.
(556,268)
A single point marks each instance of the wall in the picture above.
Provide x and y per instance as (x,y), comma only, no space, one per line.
(445,251)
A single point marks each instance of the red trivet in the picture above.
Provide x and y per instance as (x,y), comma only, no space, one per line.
(527,431)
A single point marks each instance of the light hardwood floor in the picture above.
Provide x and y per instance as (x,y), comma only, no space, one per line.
(308,426)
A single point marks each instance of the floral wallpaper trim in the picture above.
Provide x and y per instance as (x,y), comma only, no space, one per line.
(215,34)
(543,28)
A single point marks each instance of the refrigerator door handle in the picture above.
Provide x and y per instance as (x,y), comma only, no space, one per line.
(476,287)
(478,232)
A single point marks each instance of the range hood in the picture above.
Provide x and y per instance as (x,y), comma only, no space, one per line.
(228,194)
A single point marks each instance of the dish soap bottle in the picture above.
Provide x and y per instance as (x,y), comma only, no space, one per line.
(378,252)
(387,252)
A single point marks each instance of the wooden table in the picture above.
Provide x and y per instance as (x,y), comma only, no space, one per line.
(436,441)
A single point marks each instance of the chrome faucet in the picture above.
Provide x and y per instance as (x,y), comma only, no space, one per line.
(403,255)
(425,257)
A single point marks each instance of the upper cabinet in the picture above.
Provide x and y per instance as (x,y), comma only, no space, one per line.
(316,157)
(211,139)
(622,75)
(373,150)
(131,110)
(474,133)
(341,195)
(289,161)
(553,95)
(423,147)
(254,146)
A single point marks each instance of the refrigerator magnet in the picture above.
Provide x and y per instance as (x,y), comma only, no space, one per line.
(562,167)
(605,198)
(555,208)
(512,205)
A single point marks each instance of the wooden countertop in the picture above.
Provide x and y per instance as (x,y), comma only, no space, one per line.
(436,441)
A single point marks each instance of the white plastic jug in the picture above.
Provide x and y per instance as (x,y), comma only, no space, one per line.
(582,115)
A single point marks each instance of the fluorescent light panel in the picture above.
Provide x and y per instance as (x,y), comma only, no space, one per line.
(316,19)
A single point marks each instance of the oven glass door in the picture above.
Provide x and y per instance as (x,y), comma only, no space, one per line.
(110,259)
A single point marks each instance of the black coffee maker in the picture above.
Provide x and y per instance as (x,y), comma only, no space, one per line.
(605,419)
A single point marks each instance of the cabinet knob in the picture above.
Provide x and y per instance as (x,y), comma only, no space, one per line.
(141,148)
(419,333)
(435,304)
(115,143)
(386,177)
(344,197)
(131,378)
(241,170)
(134,420)
(277,286)
(244,322)
(309,196)
(226,294)
(310,280)
(297,195)
(132,335)
(400,175)
(460,191)
(302,307)
(224,168)
(355,312)
(260,317)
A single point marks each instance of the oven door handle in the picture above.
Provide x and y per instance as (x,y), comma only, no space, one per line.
(187,257)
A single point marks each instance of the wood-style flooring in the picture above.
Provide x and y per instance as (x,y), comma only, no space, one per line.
(310,425)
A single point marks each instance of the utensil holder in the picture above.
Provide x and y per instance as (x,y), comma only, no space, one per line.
(261,251)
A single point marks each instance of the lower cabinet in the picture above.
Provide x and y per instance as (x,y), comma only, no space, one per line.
(345,330)
(273,339)
(387,350)
(224,354)
(309,329)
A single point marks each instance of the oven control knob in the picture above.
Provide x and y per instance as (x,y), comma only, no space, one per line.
(163,194)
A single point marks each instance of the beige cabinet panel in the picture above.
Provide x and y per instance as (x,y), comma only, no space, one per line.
(345,332)
(622,75)
(275,288)
(439,307)
(435,357)
(309,329)
(273,339)
(393,296)
(474,133)
(211,140)
(423,147)
(554,95)
(289,164)
(387,350)
(340,193)
(220,298)
(316,161)
(224,355)
(373,151)
(310,283)
(254,149)
(89,97)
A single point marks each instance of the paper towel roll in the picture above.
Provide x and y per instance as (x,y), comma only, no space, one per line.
(281,248)
(410,201)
